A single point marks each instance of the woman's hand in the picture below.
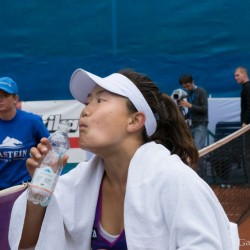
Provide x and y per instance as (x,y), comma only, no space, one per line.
(37,154)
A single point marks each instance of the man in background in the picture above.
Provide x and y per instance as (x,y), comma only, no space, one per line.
(241,77)
(19,131)
(197,115)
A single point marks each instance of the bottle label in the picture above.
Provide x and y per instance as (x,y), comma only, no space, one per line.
(44,178)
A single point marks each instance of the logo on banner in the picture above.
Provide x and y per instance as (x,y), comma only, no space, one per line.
(52,123)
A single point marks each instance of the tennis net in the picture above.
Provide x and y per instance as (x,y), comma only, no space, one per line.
(225,166)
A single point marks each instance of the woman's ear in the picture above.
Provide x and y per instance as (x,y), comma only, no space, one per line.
(136,122)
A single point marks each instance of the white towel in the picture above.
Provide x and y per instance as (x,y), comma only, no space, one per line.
(167,206)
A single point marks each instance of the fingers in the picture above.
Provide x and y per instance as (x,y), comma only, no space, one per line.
(37,154)
(184,103)
(31,166)
(44,145)
(65,160)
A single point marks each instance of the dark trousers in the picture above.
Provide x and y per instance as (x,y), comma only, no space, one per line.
(246,150)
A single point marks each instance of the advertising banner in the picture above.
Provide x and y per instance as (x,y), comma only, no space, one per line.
(52,112)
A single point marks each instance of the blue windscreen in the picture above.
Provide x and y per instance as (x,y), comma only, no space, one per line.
(43,42)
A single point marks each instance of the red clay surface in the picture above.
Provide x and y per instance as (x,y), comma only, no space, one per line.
(236,203)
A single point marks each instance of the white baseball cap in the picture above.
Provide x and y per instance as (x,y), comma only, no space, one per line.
(83,82)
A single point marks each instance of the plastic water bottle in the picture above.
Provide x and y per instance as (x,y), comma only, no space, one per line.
(46,175)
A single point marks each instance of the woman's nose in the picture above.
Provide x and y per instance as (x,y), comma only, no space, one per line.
(84,112)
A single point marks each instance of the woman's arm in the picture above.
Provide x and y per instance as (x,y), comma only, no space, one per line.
(32,225)
(35,213)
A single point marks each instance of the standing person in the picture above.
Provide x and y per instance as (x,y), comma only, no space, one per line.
(19,131)
(135,192)
(241,77)
(197,115)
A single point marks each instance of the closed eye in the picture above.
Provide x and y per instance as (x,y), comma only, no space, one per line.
(100,100)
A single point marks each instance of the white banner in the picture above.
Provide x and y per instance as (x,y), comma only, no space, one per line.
(222,110)
(52,112)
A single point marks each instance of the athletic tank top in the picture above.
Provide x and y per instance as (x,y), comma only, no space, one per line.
(102,240)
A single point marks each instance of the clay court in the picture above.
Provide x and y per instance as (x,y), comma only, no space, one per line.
(236,203)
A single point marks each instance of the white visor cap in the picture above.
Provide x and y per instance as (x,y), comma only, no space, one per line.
(82,83)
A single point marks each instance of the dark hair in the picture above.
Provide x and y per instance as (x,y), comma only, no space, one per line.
(185,79)
(172,131)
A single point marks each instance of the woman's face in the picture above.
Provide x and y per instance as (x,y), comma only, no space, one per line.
(104,121)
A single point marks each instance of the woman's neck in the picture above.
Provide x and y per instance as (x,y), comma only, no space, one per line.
(116,172)
(117,163)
